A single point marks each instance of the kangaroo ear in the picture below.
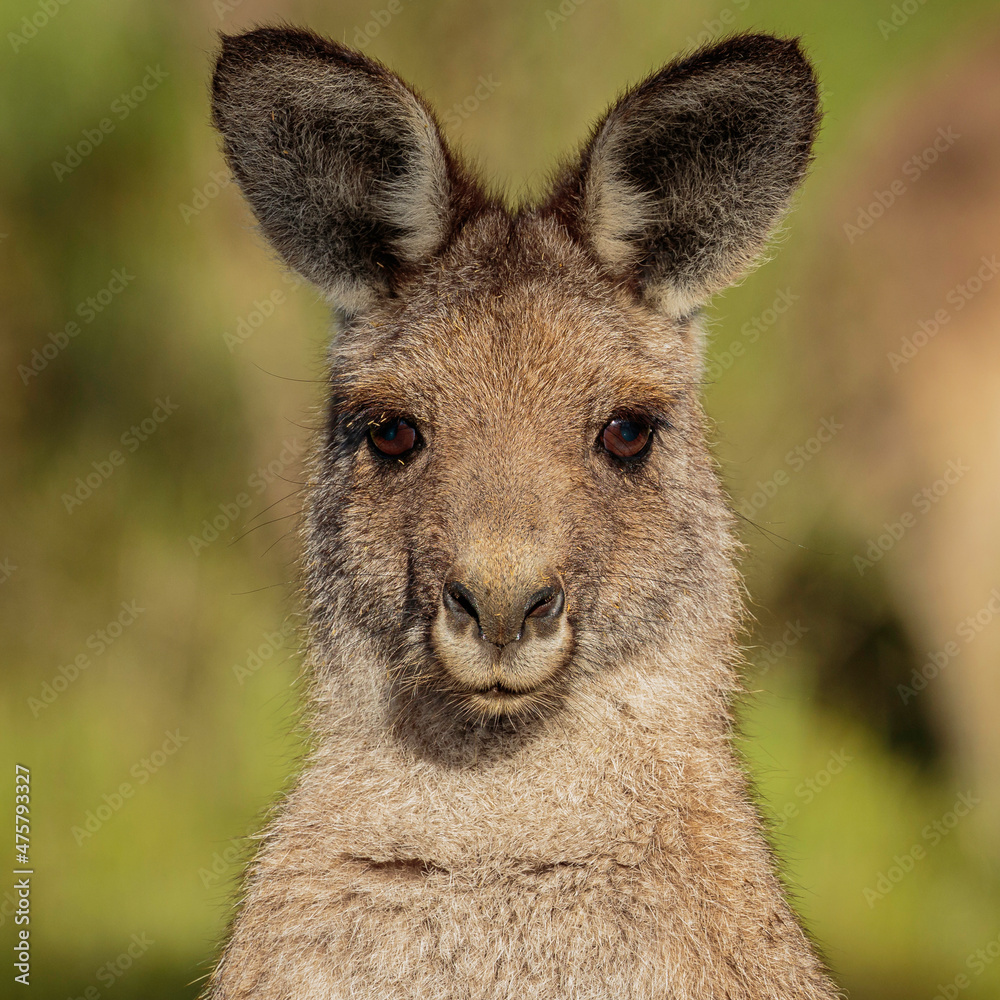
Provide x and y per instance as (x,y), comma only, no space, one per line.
(684,178)
(343,165)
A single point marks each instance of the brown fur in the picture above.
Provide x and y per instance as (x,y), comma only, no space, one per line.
(582,828)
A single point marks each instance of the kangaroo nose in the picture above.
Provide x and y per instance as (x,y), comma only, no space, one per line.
(505,614)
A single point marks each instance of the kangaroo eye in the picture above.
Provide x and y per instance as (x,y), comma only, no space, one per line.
(625,438)
(394,437)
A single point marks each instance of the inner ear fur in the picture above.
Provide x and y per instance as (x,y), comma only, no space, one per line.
(341,162)
(685,177)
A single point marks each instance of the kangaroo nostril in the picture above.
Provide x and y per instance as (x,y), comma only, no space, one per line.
(545,603)
(459,601)
(502,614)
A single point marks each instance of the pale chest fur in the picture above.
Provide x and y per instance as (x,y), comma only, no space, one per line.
(610,872)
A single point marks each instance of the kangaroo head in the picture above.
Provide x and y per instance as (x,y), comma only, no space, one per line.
(513,499)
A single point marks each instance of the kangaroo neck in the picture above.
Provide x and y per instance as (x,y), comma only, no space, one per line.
(598,781)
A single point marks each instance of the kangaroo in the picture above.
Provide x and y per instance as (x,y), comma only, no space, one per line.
(519,560)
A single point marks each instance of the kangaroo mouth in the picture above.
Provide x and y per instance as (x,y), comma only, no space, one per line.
(499,700)
(501,689)
(493,682)
(502,696)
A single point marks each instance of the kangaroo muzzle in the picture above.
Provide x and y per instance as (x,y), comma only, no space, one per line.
(501,632)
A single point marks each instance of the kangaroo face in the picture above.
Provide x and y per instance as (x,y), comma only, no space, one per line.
(514,495)
(512,459)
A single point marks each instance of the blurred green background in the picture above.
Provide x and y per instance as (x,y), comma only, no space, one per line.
(854,383)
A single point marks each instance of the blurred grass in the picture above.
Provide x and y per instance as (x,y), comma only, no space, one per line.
(149,868)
